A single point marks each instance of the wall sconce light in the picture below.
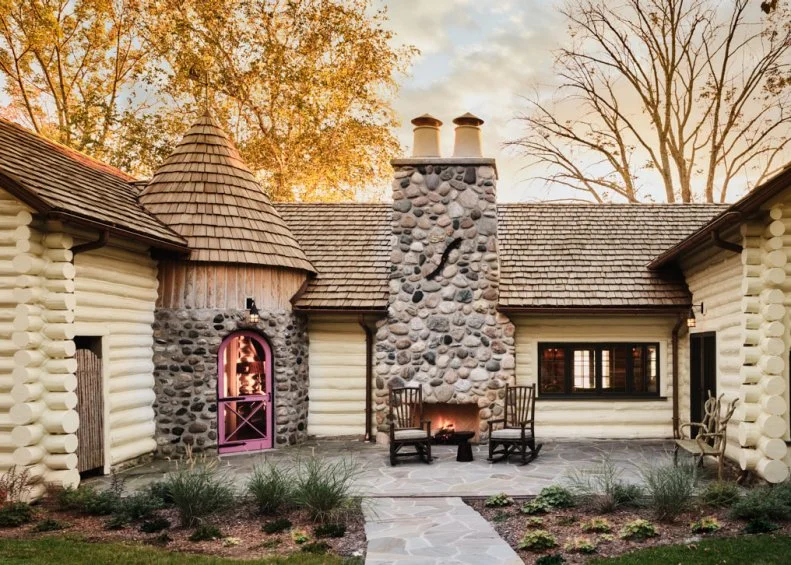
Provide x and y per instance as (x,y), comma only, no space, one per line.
(252,311)
(691,322)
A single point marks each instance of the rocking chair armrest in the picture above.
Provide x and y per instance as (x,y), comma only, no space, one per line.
(497,421)
(427,424)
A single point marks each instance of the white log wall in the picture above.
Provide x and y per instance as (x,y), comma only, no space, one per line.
(336,360)
(745,302)
(37,314)
(597,418)
(116,292)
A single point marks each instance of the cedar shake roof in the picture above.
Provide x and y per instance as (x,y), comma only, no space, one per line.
(593,255)
(551,255)
(66,184)
(206,193)
(349,244)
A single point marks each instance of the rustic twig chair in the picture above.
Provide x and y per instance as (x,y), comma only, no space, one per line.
(518,426)
(407,427)
(710,439)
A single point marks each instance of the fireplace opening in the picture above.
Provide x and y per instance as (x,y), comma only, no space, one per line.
(447,419)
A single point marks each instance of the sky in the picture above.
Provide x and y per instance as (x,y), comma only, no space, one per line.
(480,57)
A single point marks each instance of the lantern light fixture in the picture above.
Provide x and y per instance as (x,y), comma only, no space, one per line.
(691,322)
(252,311)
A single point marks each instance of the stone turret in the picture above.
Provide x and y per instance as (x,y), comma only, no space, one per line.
(443,331)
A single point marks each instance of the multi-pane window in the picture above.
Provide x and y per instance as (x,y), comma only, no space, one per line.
(598,369)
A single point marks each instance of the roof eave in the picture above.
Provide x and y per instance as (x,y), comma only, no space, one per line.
(735,214)
(618,309)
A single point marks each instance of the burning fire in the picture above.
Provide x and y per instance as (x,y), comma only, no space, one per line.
(446,430)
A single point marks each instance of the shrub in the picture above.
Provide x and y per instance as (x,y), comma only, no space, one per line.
(706,525)
(50,525)
(277,526)
(670,489)
(553,559)
(271,488)
(318,547)
(88,500)
(760,526)
(535,506)
(627,494)
(15,486)
(330,531)
(139,506)
(324,487)
(231,542)
(567,520)
(598,525)
(720,494)
(638,530)
(199,490)
(117,522)
(557,497)
(205,532)
(601,487)
(499,500)
(606,538)
(155,525)
(299,537)
(764,503)
(537,540)
(500,516)
(580,545)
(534,522)
(162,539)
(160,490)
(14,514)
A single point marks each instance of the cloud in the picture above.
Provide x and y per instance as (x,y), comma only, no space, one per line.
(481,59)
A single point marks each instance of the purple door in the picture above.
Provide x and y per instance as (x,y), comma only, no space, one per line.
(244,393)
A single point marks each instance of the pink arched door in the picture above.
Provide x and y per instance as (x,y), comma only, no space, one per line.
(244,393)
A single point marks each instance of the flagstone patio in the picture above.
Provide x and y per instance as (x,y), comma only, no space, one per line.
(445,476)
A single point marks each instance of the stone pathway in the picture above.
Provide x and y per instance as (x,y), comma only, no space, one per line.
(427,531)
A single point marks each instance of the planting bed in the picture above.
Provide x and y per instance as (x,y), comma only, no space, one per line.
(242,538)
(566,525)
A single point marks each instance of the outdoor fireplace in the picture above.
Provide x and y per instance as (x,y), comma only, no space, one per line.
(448,418)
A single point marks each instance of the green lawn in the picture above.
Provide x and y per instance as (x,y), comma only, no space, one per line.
(752,550)
(64,551)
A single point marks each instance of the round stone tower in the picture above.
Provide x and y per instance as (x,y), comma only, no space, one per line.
(230,354)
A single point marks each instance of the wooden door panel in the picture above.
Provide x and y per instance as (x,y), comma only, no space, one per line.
(90,407)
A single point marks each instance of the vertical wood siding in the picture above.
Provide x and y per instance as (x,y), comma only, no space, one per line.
(597,418)
(337,376)
(90,407)
(210,285)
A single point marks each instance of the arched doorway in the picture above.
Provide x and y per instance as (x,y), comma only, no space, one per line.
(244,395)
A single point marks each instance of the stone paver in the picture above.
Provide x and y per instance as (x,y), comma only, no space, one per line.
(445,476)
(430,531)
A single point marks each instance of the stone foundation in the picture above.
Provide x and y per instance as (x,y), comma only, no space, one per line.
(443,331)
(186,344)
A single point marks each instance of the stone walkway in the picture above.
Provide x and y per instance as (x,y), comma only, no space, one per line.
(429,531)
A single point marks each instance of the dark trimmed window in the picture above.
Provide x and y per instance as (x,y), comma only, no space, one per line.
(578,370)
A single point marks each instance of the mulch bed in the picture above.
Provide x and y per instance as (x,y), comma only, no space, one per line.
(241,523)
(566,524)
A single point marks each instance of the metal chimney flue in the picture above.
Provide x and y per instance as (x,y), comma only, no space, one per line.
(426,140)
(468,136)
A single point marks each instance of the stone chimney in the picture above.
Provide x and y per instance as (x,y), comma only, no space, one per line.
(443,331)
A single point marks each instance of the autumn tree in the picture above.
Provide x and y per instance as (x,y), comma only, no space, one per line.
(304,86)
(70,67)
(693,96)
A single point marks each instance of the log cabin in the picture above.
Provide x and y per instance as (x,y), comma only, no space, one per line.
(142,318)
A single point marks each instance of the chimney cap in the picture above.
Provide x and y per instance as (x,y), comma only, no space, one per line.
(468,120)
(426,120)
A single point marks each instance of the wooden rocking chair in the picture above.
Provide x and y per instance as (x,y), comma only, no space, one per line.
(518,431)
(710,439)
(407,426)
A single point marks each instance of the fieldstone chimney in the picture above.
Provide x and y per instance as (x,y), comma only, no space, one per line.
(443,331)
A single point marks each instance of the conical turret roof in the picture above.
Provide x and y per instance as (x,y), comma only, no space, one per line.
(206,193)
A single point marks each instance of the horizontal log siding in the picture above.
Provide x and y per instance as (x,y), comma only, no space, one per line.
(337,376)
(606,418)
(116,290)
(211,285)
(717,282)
